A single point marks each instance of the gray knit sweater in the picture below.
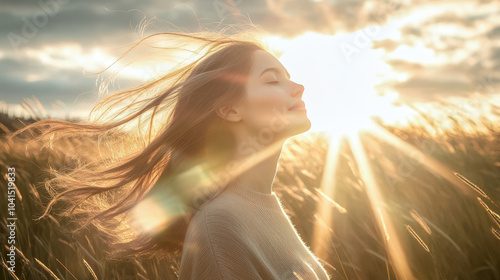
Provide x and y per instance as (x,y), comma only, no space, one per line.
(245,234)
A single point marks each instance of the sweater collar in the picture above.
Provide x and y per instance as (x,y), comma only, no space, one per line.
(257,198)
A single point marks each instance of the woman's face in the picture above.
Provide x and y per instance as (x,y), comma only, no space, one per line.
(272,106)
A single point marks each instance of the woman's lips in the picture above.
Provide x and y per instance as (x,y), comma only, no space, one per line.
(298,109)
(299,106)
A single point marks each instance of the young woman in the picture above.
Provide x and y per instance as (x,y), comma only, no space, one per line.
(200,181)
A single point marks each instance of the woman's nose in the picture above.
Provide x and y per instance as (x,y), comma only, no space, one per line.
(298,90)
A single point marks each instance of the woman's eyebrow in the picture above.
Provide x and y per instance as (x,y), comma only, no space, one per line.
(276,70)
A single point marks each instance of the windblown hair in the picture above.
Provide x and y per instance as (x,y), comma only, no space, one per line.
(156,146)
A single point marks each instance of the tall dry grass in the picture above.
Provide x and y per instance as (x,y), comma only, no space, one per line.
(446,233)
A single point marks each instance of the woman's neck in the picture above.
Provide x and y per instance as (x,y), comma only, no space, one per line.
(261,169)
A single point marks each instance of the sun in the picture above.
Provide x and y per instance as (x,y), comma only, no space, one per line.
(340,91)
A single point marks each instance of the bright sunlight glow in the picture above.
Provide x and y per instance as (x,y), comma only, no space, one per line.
(340,85)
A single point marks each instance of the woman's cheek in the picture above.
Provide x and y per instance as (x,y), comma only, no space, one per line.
(264,103)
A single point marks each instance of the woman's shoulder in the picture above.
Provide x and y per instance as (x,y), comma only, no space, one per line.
(217,236)
(225,208)
(219,223)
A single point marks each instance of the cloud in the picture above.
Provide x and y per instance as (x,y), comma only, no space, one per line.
(400,65)
(452,53)
(432,85)
(47,90)
(494,33)
(454,34)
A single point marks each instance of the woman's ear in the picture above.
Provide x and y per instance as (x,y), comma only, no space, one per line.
(229,113)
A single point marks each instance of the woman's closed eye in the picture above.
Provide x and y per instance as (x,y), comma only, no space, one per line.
(273,82)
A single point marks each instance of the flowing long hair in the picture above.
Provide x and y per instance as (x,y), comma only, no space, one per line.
(159,145)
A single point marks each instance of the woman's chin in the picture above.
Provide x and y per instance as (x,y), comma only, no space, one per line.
(299,125)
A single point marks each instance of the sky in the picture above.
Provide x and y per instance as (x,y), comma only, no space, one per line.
(368,51)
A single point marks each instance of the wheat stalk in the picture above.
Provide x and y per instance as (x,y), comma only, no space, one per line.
(420,221)
(90,269)
(415,235)
(496,233)
(47,269)
(335,204)
(494,216)
(483,204)
(471,185)
(10,271)
(298,276)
